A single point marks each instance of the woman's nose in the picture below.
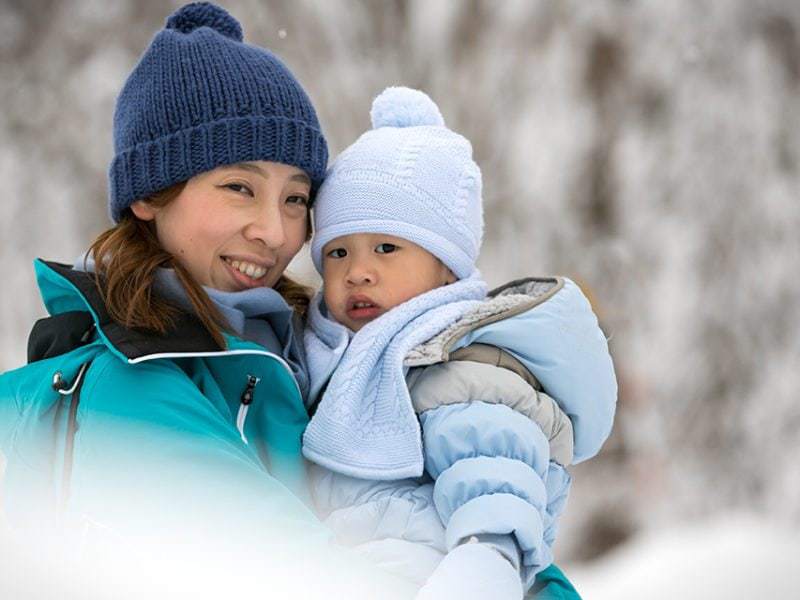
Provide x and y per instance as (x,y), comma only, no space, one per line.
(267,226)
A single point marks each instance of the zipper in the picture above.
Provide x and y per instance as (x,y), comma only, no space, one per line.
(72,428)
(244,404)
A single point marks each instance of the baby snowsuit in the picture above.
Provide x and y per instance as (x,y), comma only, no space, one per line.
(517,388)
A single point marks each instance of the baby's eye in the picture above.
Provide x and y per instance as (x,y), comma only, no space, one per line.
(239,188)
(385,248)
(297,199)
(337,253)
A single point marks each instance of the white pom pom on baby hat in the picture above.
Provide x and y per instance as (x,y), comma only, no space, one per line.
(404,107)
(410,177)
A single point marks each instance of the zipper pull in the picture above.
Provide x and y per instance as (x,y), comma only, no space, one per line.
(247,395)
(246,401)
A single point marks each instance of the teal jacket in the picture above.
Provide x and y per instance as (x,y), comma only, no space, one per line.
(104,419)
(552,584)
(115,430)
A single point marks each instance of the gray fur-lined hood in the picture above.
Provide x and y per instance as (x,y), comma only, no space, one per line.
(504,302)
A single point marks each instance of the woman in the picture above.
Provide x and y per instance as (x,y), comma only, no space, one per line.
(161,412)
(158,414)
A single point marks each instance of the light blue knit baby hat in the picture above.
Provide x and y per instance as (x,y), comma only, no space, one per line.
(410,177)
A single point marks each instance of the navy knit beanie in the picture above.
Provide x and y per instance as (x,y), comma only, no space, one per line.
(200,98)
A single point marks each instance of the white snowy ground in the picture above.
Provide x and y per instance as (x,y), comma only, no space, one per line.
(732,557)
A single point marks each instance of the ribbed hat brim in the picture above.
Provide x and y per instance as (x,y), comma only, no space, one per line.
(138,172)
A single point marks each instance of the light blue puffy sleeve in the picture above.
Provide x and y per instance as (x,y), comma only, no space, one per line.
(493,477)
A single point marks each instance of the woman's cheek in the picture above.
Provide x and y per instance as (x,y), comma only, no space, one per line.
(291,249)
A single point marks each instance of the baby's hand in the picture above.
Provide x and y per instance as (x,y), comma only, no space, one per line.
(473,571)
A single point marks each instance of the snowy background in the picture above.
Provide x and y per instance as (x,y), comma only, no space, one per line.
(648,150)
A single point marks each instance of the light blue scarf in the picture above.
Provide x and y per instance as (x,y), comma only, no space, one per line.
(365,425)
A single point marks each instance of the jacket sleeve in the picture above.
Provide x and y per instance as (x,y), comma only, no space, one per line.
(552,584)
(560,342)
(463,381)
(496,449)
(9,413)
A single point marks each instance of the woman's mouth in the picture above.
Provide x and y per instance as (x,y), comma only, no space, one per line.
(246,273)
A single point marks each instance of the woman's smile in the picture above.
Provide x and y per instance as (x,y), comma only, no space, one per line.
(247,273)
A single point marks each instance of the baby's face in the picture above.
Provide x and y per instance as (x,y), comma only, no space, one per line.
(366,274)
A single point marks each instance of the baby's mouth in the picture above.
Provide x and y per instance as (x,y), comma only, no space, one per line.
(362,309)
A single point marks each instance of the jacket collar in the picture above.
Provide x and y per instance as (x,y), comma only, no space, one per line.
(505,302)
(65,289)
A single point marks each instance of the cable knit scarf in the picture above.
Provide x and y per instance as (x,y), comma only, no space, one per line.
(365,424)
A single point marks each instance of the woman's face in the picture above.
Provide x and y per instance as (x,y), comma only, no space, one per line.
(235,227)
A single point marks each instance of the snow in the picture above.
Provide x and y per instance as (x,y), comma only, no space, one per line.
(735,555)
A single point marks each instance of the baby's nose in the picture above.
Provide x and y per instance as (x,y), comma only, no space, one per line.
(361,275)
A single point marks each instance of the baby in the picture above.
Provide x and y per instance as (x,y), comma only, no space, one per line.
(444,415)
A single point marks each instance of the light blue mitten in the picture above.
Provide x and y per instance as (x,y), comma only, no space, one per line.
(473,571)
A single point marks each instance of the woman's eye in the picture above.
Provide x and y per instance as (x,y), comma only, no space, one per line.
(337,253)
(239,188)
(299,200)
(385,248)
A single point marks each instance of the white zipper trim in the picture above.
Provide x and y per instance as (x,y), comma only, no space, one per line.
(240,418)
(82,370)
(142,359)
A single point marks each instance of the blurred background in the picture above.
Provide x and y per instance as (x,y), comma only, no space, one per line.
(648,150)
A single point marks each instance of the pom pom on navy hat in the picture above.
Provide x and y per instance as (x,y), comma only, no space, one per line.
(404,107)
(204,14)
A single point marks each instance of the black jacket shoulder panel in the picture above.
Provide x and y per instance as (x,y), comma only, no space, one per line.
(56,335)
(188,334)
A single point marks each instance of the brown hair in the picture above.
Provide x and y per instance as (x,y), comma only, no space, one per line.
(127,257)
